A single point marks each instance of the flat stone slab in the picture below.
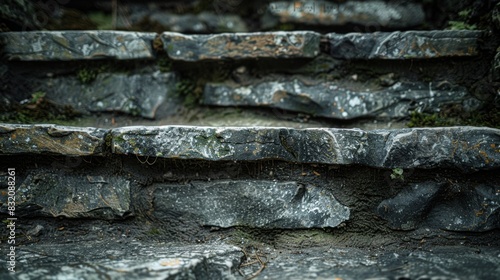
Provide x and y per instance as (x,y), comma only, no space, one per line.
(125,260)
(296,44)
(327,99)
(405,45)
(462,207)
(256,204)
(136,94)
(77,45)
(466,148)
(51,139)
(375,14)
(204,22)
(52,193)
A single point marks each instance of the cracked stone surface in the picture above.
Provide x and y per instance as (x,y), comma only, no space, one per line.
(257,204)
(295,44)
(56,193)
(377,14)
(465,148)
(136,94)
(405,45)
(327,99)
(131,260)
(458,207)
(51,139)
(77,45)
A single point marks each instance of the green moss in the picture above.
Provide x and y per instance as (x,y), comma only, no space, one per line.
(101,20)
(461,25)
(488,118)
(164,64)
(397,173)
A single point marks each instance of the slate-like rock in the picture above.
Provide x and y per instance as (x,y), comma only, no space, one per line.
(295,44)
(205,22)
(409,208)
(495,70)
(136,94)
(375,14)
(327,99)
(77,45)
(257,204)
(466,148)
(73,195)
(17,15)
(459,207)
(51,139)
(405,45)
(109,259)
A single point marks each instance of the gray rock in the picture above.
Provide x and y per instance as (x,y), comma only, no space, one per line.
(466,148)
(376,14)
(64,194)
(137,94)
(409,208)
(459,207)
(18,15)
(256,204)
(495,70)
(327,99)
(205,22)
(404,45)
(107,259)
(51,139)
(77,45)
(297,44)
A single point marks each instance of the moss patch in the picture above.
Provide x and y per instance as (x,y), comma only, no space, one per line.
(452,117)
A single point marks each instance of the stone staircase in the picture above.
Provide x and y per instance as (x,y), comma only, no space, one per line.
(268,140)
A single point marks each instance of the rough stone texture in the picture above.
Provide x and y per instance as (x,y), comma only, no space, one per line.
(132,260)
(410,207)
(376,14)
(64,194)
(296,44)
(51,139)
(256,204)
(404,45)
(327,99)
(457,208)
(495,70)
(205,22)
(466,148)
(137,94)
(77,45)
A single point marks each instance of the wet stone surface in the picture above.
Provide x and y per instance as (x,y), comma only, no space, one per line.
(256,204)
(51,139)
(465,148)
(405,45)
(135,94)
(77,45)
(327,99)
(56,193)
(296,44)
(377,14)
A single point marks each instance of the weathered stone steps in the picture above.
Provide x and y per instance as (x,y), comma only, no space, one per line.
(91,45)
(466,148)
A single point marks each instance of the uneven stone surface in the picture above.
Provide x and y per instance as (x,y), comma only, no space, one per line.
(460,207)
(51,139)
(327,99)
(62,194)
(257,204)
(466,148)
(376,14)
(116,260)
(205,22)
(404,45)
(136,94)
(296,44)
(76,45)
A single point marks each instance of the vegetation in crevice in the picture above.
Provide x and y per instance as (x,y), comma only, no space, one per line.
(453,116)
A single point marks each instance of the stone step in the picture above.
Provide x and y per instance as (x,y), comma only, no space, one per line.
(121,45)
(373,14)
(465,148)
